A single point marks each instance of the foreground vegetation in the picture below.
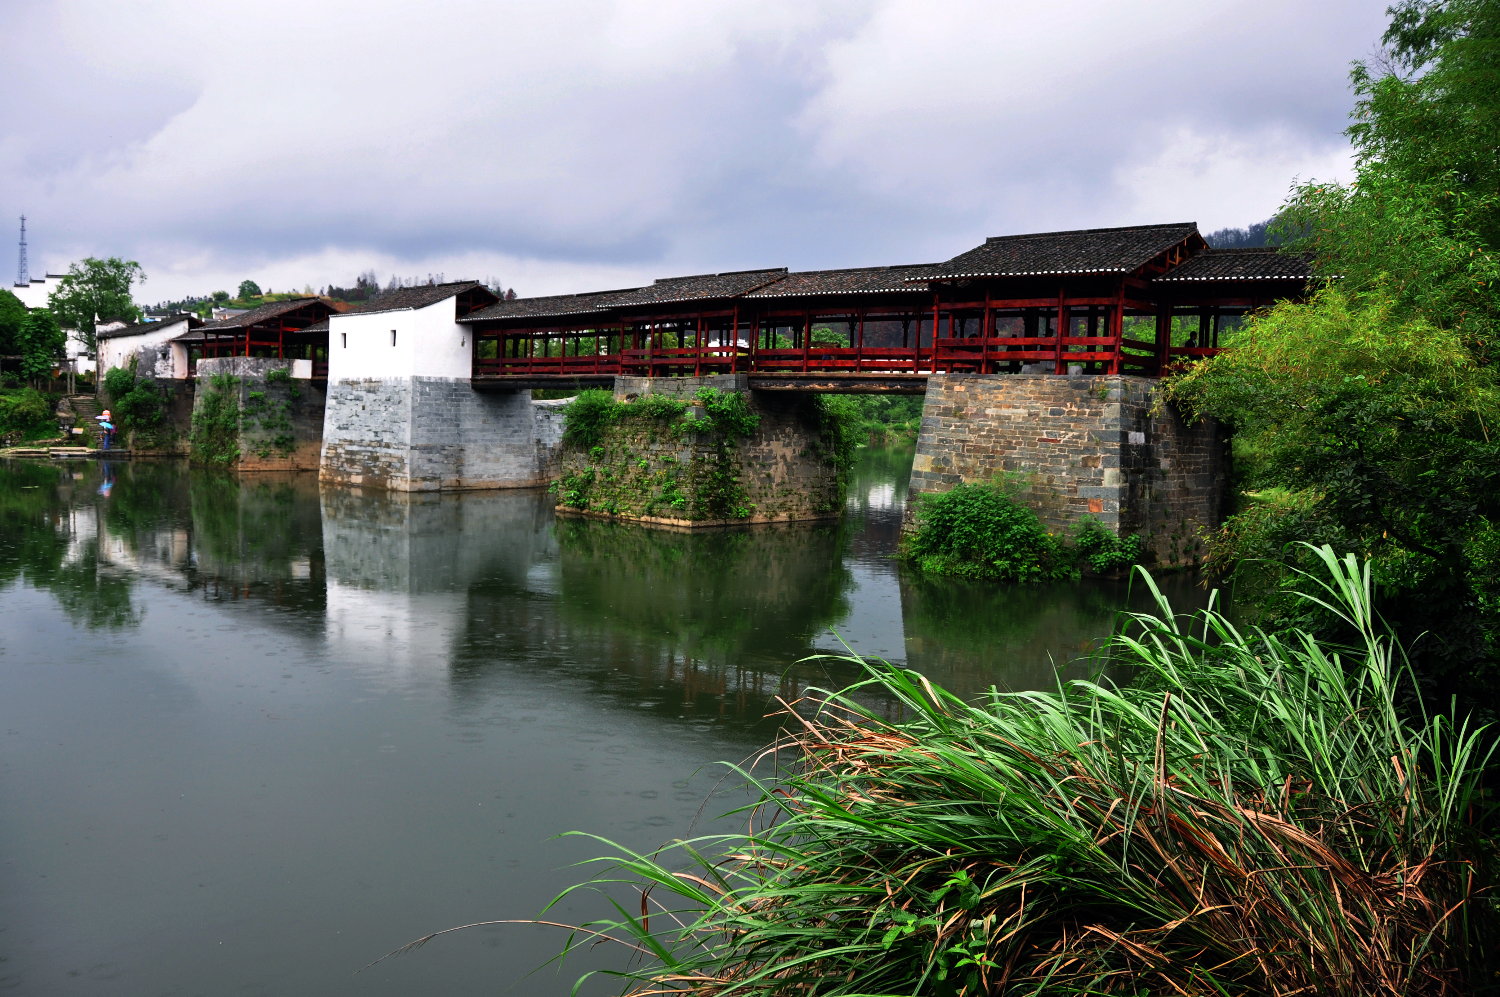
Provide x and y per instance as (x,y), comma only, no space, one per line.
(1252,816)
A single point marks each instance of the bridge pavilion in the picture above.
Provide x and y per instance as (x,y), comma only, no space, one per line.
(1133,300)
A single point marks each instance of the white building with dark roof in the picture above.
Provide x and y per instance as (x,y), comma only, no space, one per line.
(157,347)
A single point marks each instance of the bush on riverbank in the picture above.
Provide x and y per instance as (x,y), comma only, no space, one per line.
(1254,817)
(26,414)
(979,531)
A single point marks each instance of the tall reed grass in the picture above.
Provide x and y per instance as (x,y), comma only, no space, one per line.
(1250,816)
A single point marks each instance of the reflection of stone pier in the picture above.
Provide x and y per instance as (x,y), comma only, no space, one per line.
(401,566)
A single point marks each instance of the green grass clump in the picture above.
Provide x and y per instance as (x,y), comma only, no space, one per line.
(1252,817)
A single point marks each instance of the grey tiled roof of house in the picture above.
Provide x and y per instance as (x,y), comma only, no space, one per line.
(700,286)
(264,312)
(141,328)
(550,306)
(859,280)
(1241,264)
(1081,251)
(416,297)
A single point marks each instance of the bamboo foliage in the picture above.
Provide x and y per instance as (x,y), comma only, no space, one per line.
(1249,816)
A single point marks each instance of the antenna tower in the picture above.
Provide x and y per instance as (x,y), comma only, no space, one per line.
(23,276)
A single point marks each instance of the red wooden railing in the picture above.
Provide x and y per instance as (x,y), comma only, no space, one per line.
(976,355)
(595,364)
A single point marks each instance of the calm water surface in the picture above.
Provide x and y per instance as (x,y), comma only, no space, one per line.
(253,735)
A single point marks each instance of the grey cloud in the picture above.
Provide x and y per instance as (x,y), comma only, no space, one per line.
(650,134)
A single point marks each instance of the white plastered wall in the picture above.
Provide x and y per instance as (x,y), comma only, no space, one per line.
(428,342)
(116,351)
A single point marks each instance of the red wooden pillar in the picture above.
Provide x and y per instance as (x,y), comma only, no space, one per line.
(1058,364)
(1117,329)
(1163,338)
(984,336)
(806,339)
(734,341)
(932,367)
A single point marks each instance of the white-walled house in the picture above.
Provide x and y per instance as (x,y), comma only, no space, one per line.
(412,332)
(165,357)
(402,411)
(34,294)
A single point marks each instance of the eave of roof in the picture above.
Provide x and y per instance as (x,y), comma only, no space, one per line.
(1253,264)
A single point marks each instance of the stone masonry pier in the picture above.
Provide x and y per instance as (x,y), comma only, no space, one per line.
(1078,446)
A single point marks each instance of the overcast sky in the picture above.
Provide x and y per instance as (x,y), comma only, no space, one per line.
(574,145)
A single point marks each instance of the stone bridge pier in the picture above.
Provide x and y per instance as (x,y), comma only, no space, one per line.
(428,434)
(1078,446)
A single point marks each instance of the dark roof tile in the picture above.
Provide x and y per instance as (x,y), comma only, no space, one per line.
(550,306)
(1095,250)
(709,285)
(416,297)
(860,280)
(141,328)
(1241,264)
(271,310)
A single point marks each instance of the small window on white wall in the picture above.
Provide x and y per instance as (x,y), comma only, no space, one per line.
(343,340)
(393,337)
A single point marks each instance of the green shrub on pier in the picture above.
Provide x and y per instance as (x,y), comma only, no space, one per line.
(1254,818)
(980,531)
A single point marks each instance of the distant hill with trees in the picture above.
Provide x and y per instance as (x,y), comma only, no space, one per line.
(365,289)
(1254,237)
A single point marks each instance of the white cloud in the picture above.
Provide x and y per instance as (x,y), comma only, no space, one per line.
(603,137)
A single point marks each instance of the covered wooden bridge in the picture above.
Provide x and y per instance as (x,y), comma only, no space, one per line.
(1133,300)
(294,329)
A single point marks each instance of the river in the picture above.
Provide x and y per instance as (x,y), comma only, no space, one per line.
(254,734)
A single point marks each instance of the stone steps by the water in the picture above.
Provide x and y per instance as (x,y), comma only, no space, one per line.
(62,453)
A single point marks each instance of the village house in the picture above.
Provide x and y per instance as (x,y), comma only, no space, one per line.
(157,347)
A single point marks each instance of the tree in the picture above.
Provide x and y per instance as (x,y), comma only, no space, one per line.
(249,289)
(219,297)
(41,343)
(95,290)
(12,314)
(1372,413)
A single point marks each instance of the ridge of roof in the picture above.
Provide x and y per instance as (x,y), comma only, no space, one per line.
(1091,231)
(268,310)
(547,305)
(845,280)
(139,327)
(419,296)
(1122,249)
(730,284)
